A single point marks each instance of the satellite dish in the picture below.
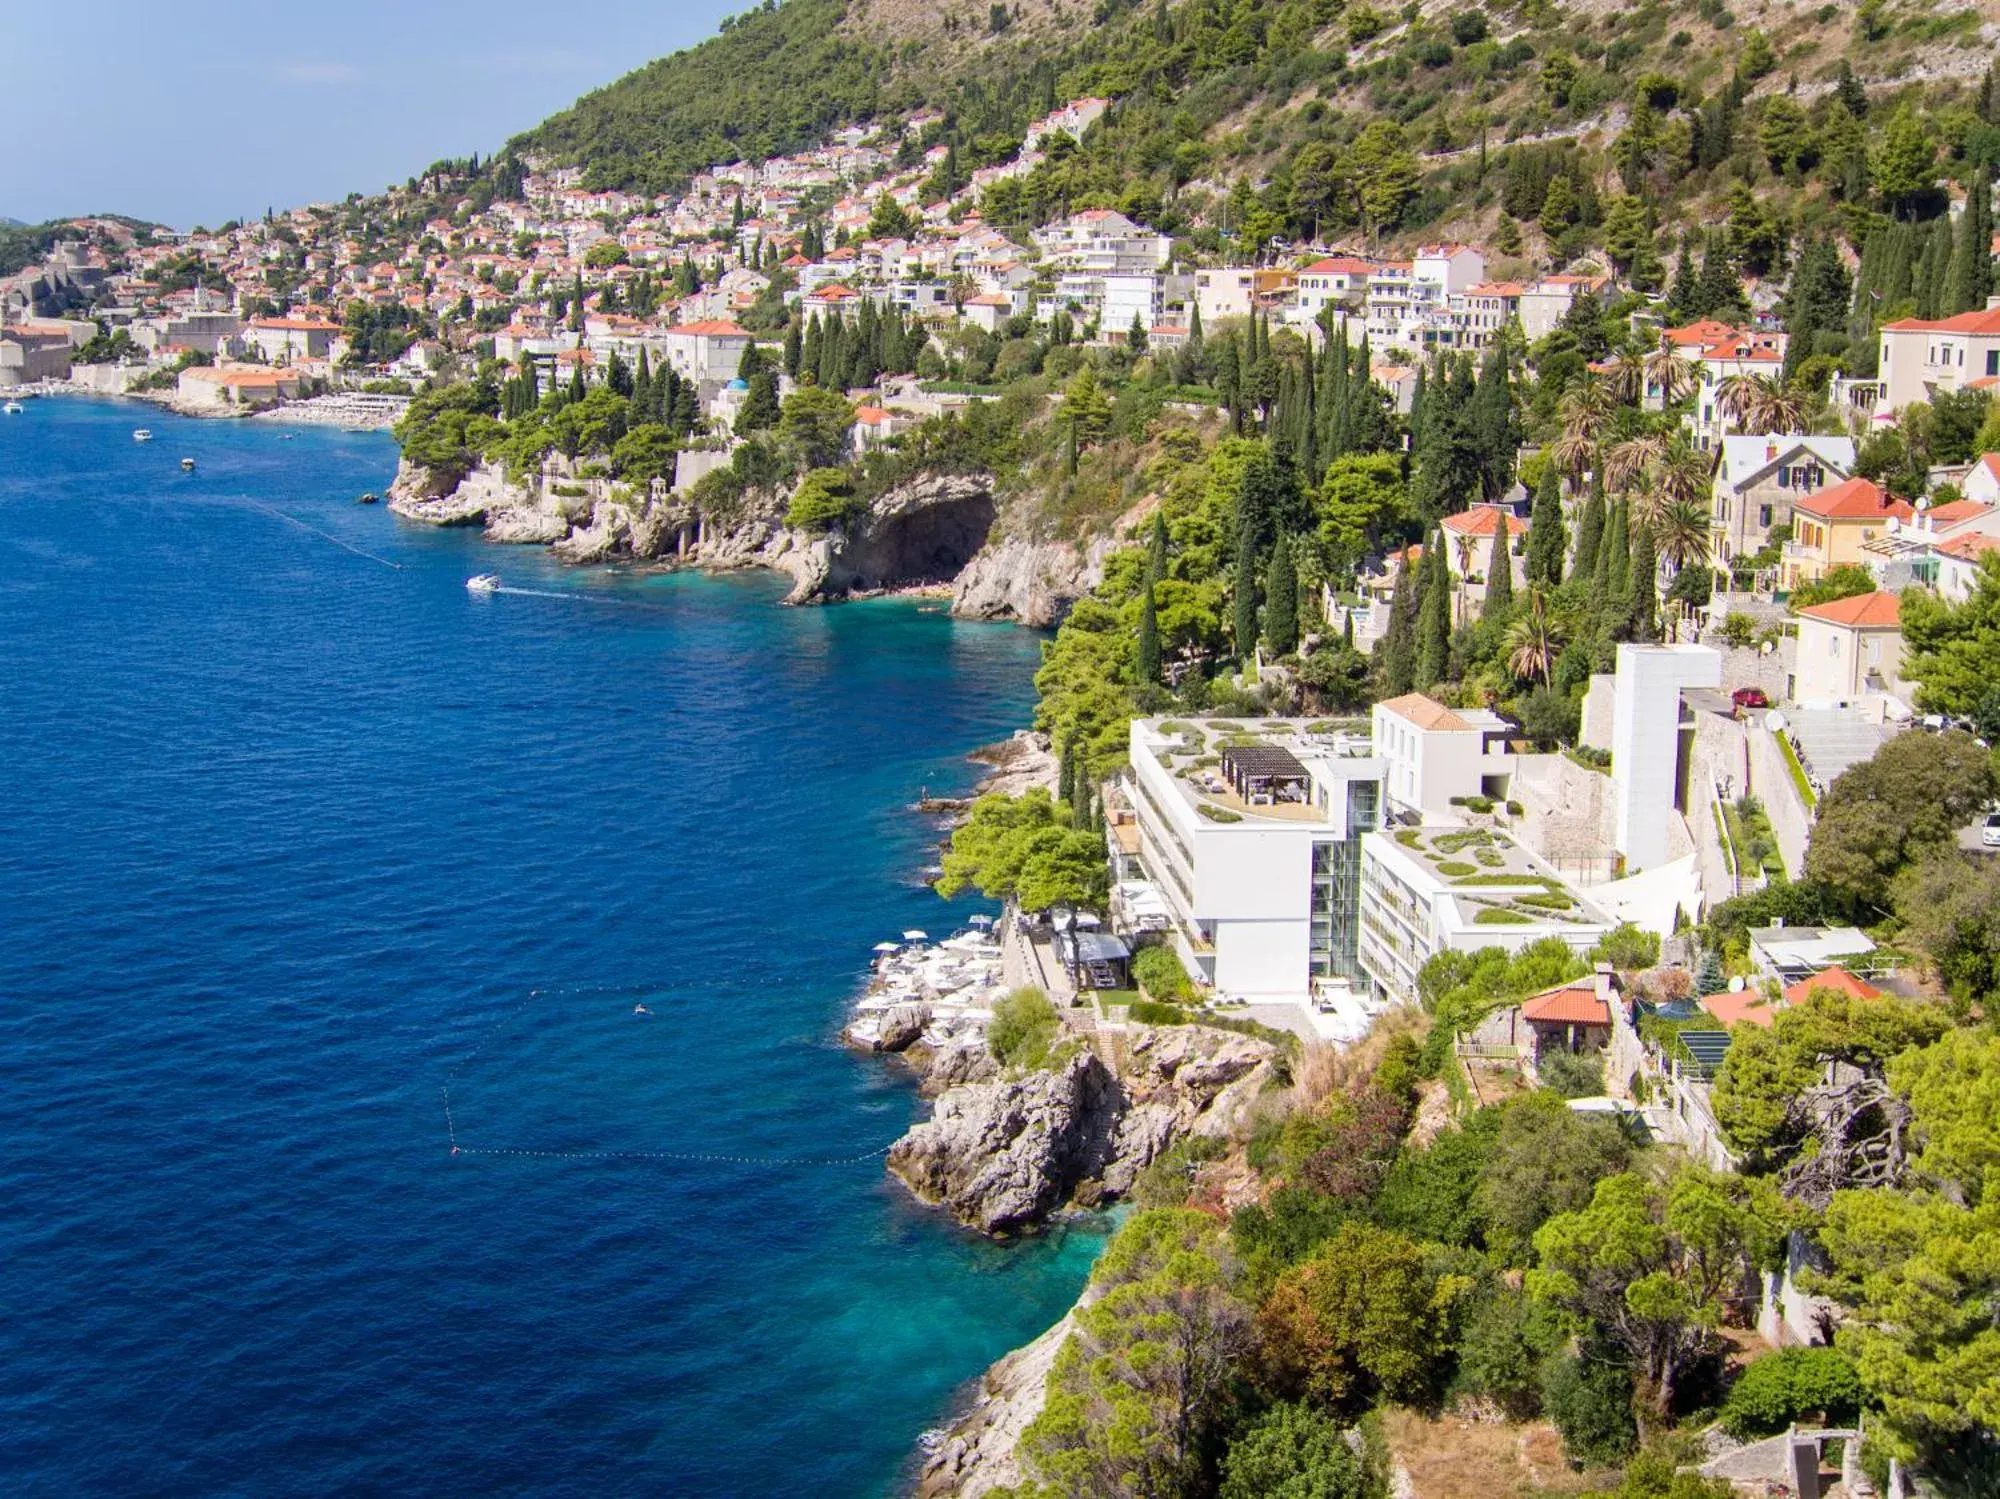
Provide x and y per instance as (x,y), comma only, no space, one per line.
(1775,721)
(1736,984)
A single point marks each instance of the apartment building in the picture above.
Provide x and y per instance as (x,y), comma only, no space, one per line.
(1759,479)
(1251,836)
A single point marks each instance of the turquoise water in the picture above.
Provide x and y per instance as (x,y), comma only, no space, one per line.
(290,839)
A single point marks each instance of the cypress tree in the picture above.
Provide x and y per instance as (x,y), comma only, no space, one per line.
(1434,617)
(1281,600)
(1495,434)
(1615,598)
(1645,596)
(1396,651)
(1156,549)
(1244,619)
(1499,575)
(1548,538)
(1590,540)
(1934,274)
(1971,272)
(794,350)
(1066,771)
(1149,636)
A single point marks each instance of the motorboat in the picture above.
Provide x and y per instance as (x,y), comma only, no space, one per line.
(142,434)
(483,583)
(13,408)
(368,499)
(187,465)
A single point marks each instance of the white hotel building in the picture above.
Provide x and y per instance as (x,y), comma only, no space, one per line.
(1252,837)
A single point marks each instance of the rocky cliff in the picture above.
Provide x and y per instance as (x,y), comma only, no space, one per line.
(934,531)
(1003,1154)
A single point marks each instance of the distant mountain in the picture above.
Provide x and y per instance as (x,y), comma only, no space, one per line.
(6,223)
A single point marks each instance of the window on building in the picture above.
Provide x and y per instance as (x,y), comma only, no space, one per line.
(1764,515)
(1993,361)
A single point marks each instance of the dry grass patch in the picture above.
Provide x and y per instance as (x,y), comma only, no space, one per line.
(1453,1458)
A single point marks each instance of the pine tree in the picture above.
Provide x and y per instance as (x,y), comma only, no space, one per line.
(1281,600)
(1149,636)
(1156,549)
(1548,538)
(1683,295)
(1590,540)
(1434,617)
(1499,574)
(760,409)
(1244,617)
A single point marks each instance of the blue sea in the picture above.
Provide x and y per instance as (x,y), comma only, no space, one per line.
(295,835)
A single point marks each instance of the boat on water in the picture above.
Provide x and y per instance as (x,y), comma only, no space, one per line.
(187,465)
(13,408)
(368,499)
(142,434)
(483,583)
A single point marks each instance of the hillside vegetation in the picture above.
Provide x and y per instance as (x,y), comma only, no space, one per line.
(1334,116)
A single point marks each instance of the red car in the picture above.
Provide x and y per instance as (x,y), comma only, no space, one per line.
(1746,698)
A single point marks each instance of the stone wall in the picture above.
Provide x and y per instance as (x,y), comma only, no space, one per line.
(1772,784)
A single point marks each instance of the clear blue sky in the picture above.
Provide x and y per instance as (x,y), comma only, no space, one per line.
(195,115)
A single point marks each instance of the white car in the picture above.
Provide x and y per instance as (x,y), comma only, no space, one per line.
(1989,831)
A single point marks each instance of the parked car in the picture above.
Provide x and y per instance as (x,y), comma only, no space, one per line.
(1746,698)
(1989,831)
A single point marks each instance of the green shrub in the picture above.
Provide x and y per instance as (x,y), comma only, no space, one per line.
(1500,916)
(1590,1403)
(1451,868)
(1409,838)
(825,500)
(1781,1388)
(1515,809)
(1571,1075)
(1158,970)
(1548,901)
(1146,1012)
(1023,1030)
(1294,1451)
(1479,803)
(1218,814)
(1627,948)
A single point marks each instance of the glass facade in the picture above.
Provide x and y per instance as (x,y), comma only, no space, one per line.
(1336,887)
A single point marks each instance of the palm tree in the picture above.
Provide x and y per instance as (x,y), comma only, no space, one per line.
(1684,471)
(1465,544)
(1583,413)
(1666,371)
(1533,641)
(1758,404)
(1627,379)
(1629,459)
(1681,533)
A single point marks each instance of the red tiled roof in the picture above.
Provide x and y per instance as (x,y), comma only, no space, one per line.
(1864,611)
(1571,1004)
(710,328)
(1854,499)
(1339,265)
(1987,321)
(1956,511)
(1484,520)
(1969,547)
(1839,980)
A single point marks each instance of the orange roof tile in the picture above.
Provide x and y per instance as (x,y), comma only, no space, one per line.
(1484,520)
(1568,1004)
(1747,1006)
(1864,611)
(1855,499)
(710,328)
(1969,548)
(1424,712)
(1838,980)
(1987,321)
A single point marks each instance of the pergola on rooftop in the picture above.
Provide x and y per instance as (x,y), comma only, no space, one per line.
(1266,775)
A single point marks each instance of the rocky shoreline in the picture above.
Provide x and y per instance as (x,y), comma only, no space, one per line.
(938,534)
